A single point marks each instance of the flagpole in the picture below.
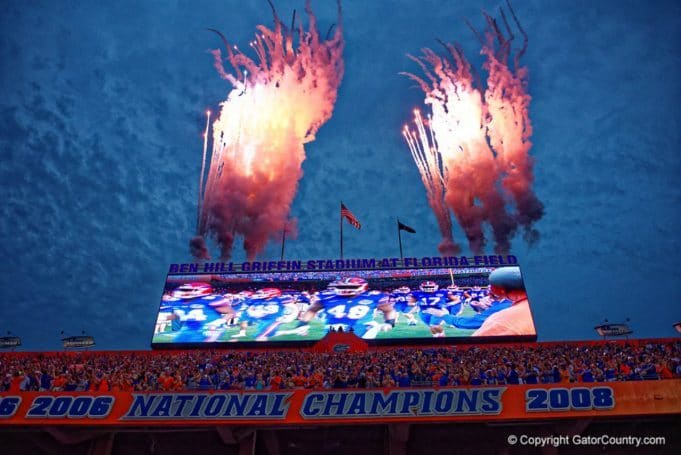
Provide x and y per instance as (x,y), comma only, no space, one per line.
(399,237)
(341,229)
(283,241)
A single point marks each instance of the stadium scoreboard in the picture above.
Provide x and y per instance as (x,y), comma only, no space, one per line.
(382,301)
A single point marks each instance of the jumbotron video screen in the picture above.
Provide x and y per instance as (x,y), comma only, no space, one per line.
(376,305)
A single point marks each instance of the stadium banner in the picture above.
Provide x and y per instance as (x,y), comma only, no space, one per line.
(495,260)
(378,305)
(286,407)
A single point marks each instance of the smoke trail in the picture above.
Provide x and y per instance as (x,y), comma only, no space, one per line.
(509,126)
(278,103)
(203,170)
(480,163)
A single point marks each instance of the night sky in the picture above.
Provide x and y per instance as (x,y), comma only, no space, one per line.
(102,111)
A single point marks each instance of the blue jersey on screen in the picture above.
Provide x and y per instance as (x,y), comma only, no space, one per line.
(475,321)
(457,298)
(326,294)
(266,311)
(401,302)
(268,314)
(457,295)
(193,316)
(431,305)
(303,298)
(302,301)
(351,311)
(429,300)
(477,293)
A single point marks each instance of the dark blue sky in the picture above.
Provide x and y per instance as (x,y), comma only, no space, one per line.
(101,115)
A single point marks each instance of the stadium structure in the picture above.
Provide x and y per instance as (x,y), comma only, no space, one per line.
(382,360)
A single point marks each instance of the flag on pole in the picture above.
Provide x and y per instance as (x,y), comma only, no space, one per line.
(348,215)
(404,227)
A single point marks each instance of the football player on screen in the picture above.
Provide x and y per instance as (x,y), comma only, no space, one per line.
(476,298)
(196,313)
(267,309)
(482,300)
(457,299)
(484,307)
(434,306)
(402,305)
(349,306)
(303,300)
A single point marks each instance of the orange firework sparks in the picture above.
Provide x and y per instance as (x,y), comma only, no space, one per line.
(434,176)
(279,101)
(479,142)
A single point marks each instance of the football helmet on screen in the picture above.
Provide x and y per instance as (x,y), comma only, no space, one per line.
(402,290)
(429,286)
(192,290)
(349,286)
(266,293)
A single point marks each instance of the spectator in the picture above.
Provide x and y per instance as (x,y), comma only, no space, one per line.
(404,367)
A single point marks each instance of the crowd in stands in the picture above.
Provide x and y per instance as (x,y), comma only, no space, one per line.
(396,367)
